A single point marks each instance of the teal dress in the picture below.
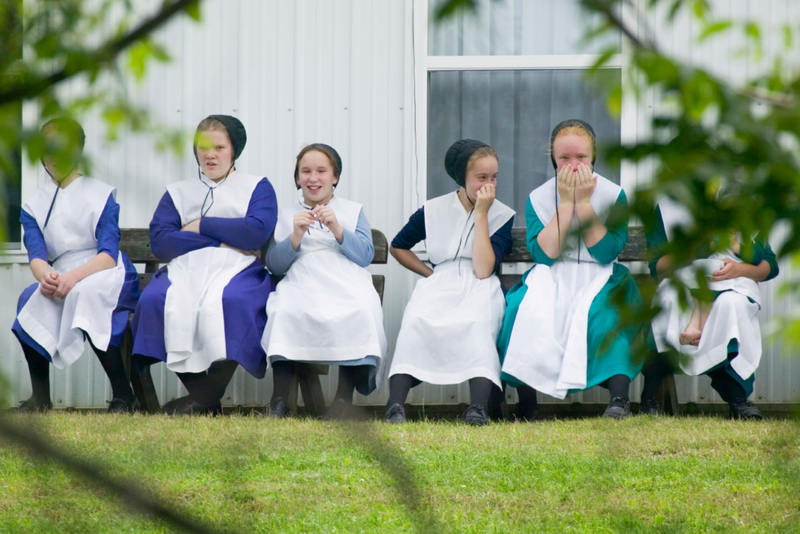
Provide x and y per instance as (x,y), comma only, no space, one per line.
(657,241)
(603,360)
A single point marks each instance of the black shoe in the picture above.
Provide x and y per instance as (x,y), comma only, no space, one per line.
(618,408)
(395,414)
(745,411)
(278,409)
(475,414)
(195,408)
(31,406)
(339,410)
(118,405)
(649,406)
(176,404)
(526,414)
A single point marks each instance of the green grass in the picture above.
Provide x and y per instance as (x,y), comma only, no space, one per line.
(248,474)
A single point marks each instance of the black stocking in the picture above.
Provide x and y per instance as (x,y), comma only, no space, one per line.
(39,369)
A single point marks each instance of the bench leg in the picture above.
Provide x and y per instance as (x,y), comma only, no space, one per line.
(668,395)
(310,387)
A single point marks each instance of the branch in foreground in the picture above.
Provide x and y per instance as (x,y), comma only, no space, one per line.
(102,56)
(127,492)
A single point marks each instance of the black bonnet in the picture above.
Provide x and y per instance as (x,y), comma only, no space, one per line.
(457,158)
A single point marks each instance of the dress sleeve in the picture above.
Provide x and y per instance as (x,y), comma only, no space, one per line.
(32,237)
(501,242)
(280,256)
(357,246)
(107,232)
(412,233)
(763,252)
(608,248)
(166,238)
(253,230)
(657,241)
(534,227)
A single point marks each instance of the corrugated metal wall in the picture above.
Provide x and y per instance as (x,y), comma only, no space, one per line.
(298,72)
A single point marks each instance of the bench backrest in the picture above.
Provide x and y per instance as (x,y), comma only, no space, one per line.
(136,243)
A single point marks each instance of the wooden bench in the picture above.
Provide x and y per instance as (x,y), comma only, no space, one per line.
(635,250)
(136,243)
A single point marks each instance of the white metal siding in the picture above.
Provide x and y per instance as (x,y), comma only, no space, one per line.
(297,72)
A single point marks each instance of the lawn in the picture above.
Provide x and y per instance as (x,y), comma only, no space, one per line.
(249,474)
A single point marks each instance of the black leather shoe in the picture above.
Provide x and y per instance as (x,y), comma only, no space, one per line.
(475,415)
(278,409)
(649,407)
(176,404)
(618,408)
(118,405)
(395,414)
(31,406)
(745,411)
(195,408)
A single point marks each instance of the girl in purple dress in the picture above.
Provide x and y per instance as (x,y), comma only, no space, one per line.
(204,313)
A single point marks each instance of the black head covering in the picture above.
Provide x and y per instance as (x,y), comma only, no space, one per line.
(337,160)
(457,158)
(236,132)
(566,124)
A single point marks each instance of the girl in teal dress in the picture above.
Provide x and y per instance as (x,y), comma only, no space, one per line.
(554,337)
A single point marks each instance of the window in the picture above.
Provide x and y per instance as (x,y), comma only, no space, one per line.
(506,75)
(12,117)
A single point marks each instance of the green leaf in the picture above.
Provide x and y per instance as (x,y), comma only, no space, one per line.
(753,31)
(137,58)
(713,29)
(450,8)
(615,101)
(193,10)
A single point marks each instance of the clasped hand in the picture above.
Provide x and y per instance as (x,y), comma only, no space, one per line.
(323,214)
(55,284)
(576,185)
(729,271)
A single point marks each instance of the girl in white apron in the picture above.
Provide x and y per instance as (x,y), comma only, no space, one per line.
(85,286)
(561,313)
(728,348)
(450,325)
(326,309)
(204,313)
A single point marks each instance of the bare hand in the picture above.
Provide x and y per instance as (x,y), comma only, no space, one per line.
(484,198)
(566,185)
(731,270)
(585,182)
(243,252)
(66,282)
(302,220)
(49,283)
(193,226)
(326,216)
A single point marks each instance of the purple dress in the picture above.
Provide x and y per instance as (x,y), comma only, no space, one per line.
(244,297)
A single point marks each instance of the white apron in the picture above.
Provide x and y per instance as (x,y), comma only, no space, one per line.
(194,326)
(547,349)
(450,325)
(731,317)
(58,325)
(326,308)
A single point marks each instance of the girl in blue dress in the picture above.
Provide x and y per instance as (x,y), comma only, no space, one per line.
(85,286)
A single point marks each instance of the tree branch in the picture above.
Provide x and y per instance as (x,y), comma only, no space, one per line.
(103,55)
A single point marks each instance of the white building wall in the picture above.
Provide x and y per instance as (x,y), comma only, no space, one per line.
(333,71)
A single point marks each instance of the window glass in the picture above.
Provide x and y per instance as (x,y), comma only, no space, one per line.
(516,27)
(514,112)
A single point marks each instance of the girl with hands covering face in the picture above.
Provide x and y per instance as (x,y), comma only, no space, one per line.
(204,313)
(326,309)
(85,286)
(720,338)
(559,317)
(450,325)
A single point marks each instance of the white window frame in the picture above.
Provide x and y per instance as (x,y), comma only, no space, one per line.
(419,64)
